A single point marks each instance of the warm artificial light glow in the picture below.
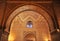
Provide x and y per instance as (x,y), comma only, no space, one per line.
(47,39)
(58,30)
(11,38)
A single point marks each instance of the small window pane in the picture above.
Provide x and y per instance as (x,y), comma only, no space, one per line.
(29,24)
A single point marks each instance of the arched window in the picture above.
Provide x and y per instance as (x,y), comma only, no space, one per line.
(29,24)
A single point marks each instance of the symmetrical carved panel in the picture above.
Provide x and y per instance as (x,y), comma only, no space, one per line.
(19,31)
(26,15)
(33,8)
